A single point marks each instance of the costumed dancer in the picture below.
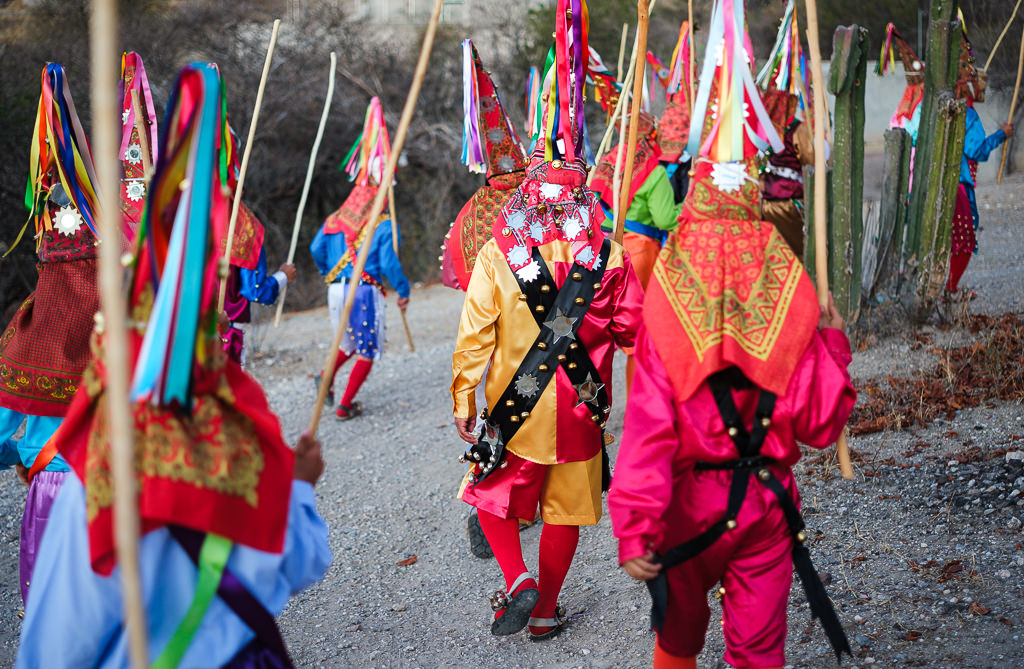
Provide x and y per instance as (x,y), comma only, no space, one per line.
(490,145)
(230,529)
(549,300)
(248,280)
(971,85)
(45,348)
(674,126)
(704,495)
(335,248)
(894,45)
(784,83)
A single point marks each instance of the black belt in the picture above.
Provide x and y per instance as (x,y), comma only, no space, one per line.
(750,462)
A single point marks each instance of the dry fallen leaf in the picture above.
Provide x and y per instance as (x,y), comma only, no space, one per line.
(407,561)
(977,609)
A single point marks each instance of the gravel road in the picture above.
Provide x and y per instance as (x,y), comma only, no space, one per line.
(923,552)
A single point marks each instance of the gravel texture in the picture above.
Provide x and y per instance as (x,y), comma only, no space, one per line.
(923,552)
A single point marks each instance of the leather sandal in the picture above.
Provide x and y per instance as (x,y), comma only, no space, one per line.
(347,413)
(317,380)
(515,608)
(556,624)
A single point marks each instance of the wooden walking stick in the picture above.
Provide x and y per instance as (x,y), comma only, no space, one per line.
(820,195)
(988,61)
(394,245)
(643,19)
(622,50)
(309,179)
(107,137)
(1013,108)
(237,201)
(140,127)
(377,206)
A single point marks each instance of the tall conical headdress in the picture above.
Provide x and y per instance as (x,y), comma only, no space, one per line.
(209,452)
(784,77)
(554,202)
(486,125)
(365,165)
(726,289)
(489,140)
(894,45)
(674,129)
(133,146)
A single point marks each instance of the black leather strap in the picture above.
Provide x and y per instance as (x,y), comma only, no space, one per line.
(570,302)
(749,444)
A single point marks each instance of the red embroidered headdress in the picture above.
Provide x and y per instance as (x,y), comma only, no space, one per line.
(208,451)
(45,347)
(553,202)
(726,289)
(489,142)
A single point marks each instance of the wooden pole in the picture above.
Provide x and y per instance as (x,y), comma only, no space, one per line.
(237,201)
(820,195)
(1013,109)
(378,206)
(693,53)
(107,139)
(988,61)
(606,140)
(643,19)
(309,180)
(394,245)
(140,127)
(622,51)
(619,156)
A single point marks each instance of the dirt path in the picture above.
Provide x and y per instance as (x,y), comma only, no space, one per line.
(923,550)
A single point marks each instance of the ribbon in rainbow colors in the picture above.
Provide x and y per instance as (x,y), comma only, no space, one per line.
(786,68)
(187,209)
(372,149)
(59,142)
(727,62)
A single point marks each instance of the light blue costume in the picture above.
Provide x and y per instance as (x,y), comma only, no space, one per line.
(74,616)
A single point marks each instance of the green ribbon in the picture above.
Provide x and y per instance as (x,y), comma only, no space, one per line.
(213,557)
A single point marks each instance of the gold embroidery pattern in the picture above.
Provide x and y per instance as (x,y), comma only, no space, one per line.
(719,285)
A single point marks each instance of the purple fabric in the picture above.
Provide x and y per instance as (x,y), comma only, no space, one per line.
(41,494)
(256,655)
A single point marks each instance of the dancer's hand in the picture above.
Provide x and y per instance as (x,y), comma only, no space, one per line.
(289,271)
(465,427)
(403,302)
(830,317)
(642,568)
(309,459)
(1008,129)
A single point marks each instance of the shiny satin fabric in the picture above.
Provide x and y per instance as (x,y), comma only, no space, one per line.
(497,327)
(664,437)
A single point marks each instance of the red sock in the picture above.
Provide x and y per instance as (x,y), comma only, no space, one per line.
(957,266)
(557,548)
(503,536)
(666,660)
(342,359)
(355,380)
